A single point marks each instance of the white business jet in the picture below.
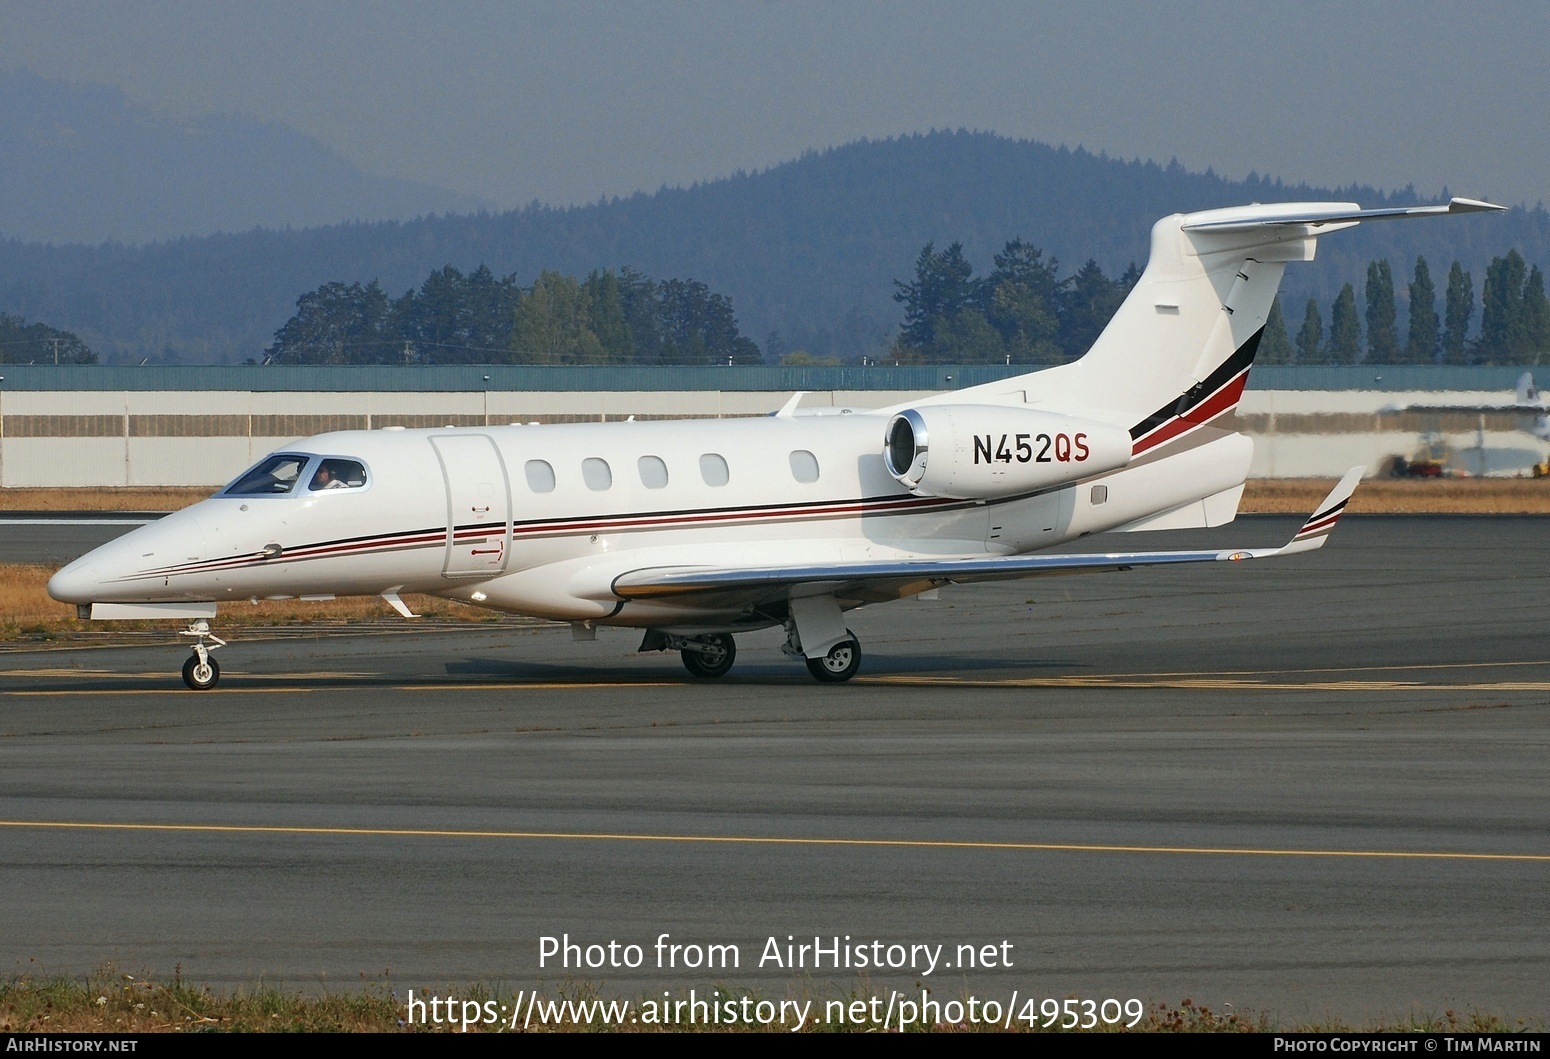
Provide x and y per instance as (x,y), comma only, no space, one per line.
(696,531)
(1530,409)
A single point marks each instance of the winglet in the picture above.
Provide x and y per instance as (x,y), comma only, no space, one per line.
(1322,521)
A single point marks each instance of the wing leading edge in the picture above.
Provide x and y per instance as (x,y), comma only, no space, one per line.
(877,580)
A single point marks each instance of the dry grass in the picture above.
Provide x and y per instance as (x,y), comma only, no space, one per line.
(27,612)
(1385,496)
(108,1002)
(125,1004)
(132,499)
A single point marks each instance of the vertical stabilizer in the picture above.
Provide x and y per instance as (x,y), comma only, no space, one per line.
(1528,393)
(1182,342)
(1177,353)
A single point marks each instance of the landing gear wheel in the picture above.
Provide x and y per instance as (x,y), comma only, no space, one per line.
(841,663)
(715,657)
(201,676)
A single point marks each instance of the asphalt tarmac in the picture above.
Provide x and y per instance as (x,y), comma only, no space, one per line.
(55,538)
(1313,787)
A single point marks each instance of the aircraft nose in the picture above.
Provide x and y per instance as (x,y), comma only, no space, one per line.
(112,572)
(76,582)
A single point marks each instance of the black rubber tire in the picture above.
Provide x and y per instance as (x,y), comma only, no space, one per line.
(841,663)
(714,663)
(201,681)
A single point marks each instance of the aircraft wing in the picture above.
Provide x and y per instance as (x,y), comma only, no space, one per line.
(880,580)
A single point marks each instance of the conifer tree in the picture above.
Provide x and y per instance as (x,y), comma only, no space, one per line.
(1382,320)
(1536,315)
(1459,306)
(1310,337)
(1421,344)
(1503,338)
(1274,345)
(1345,330)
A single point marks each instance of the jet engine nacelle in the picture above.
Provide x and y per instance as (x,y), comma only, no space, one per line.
(981,452)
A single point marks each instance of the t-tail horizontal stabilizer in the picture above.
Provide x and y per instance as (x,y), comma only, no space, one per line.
(1318,214)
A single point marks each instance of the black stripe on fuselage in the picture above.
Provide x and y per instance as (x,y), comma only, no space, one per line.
(865,507)
(1186,402)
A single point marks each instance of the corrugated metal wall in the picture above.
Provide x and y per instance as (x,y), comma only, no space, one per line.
(737,378)
(122,426)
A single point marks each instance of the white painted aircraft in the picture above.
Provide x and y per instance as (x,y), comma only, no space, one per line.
(1529,407)
(696,531)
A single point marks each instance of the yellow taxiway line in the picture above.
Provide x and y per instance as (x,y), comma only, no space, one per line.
(766,840)
(1337,679)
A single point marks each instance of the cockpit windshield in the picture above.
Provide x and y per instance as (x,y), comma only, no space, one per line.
(273,475)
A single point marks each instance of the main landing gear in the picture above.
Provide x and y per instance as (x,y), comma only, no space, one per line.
(816,633)
(709,656)
(201,671)
(841,663)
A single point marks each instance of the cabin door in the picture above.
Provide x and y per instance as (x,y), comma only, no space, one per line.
(478,505)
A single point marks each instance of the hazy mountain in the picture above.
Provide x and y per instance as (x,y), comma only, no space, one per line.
(810,248)
(82,164)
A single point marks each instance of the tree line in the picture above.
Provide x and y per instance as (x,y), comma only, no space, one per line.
(1022,313)
(608,318)
(1514,320)
(24,343)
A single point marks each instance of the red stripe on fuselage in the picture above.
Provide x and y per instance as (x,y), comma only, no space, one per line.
(1223,400)
(564,527)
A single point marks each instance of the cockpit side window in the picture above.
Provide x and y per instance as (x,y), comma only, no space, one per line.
(337,474)
(271,476)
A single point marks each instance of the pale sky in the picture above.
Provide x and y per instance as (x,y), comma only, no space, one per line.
(565,102)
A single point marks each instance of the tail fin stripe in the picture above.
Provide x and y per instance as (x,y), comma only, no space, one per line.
(1181,407)
(1224,400)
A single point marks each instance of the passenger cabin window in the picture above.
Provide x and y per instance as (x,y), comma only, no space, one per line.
(272,475)
(713,468)
(804,466)
(540,476)
(653,472)
(597,474)
(337,474)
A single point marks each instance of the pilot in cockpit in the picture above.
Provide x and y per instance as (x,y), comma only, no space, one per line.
(332,474)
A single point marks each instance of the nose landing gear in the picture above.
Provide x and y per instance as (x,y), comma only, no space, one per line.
(201,672)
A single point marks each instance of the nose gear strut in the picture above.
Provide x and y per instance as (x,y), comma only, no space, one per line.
(201,671)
